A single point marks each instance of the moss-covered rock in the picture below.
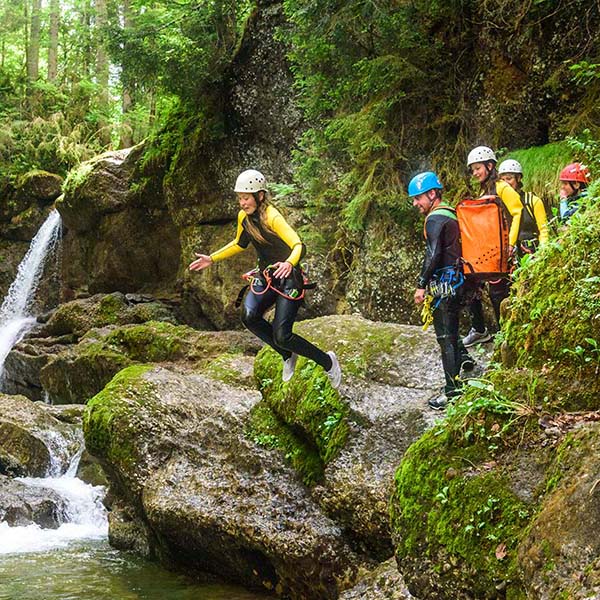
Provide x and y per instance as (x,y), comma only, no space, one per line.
(115,240)
(553,328)
(80,371)
(347,443)
(559,556)
(194,491)
(79,316)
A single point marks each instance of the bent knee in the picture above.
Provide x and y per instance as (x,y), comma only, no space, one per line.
(250,317)
(282,337)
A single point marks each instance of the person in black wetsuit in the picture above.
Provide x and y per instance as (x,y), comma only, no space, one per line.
(279,248)
(441,276)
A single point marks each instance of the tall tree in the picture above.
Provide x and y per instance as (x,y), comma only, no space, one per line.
(33,44)
(126,138)
(53,40)
(102,69)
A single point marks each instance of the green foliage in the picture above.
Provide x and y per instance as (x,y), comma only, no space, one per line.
(541,167)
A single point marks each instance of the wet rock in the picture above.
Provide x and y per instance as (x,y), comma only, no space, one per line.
(32,442)
(383,583)
(362,432)
(559,554)
(79,372)
(176,452)
(22,505)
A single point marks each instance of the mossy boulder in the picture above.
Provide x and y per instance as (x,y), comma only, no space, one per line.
(202,496)
(347,443)
(32,442)
(81,371)
(26,204)
(115,240)
(559,556)
(496,503)
(79,316)
(552,329)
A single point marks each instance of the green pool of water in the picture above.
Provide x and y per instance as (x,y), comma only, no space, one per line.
(95,571)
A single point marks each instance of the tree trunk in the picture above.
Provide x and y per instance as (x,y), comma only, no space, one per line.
(53,40)
(33,45)
(127,100)
(102,70)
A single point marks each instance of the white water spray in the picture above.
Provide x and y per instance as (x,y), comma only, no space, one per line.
(85,516)
(15,313)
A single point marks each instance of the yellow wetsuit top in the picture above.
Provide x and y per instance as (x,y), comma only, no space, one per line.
(514,206)
(533,216)
(282,243)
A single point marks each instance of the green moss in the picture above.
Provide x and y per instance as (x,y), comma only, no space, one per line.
(223,368)
(308,403)
(114,402)
(155,341)
(552,326)
(267,430)
(446,507)
(76,178)
(109,309)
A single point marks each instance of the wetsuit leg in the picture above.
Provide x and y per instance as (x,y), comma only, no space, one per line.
(283,322)
(477,319)
(445,323)
(255,306)
(498,291)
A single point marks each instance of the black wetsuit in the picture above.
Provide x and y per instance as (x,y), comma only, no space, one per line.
(281,244)
(443,250)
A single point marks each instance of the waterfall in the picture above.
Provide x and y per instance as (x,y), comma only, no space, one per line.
(15,316)
(85,516)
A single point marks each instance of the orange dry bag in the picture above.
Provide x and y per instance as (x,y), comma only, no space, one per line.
(484,236)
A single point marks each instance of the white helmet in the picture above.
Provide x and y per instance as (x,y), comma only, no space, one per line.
(250,181)
(480,154)
(510,166)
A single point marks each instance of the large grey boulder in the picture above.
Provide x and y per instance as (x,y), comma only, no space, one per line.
(361,431)
(194,490)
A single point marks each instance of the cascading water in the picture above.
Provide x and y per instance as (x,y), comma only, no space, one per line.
(84,518)
(15,313)
(85,515)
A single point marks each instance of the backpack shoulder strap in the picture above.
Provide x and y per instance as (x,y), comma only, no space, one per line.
(441,209)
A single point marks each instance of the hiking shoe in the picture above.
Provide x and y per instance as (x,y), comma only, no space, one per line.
(439,402)
(467,364)
(476,337)
(289,366)
(335,373)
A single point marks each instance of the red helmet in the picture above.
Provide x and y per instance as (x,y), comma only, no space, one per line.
(575,172)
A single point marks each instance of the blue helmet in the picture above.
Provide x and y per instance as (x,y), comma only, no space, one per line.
(423,182)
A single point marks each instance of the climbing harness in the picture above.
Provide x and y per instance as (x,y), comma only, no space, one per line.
(444,284)
(291,288)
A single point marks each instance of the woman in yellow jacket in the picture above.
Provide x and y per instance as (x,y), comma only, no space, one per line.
(482,165)
(279,249)
(533,231)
